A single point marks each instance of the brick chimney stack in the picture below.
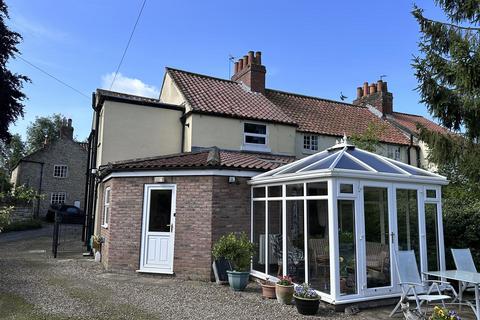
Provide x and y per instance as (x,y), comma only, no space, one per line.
(376,95)
(66,130)
(250,72)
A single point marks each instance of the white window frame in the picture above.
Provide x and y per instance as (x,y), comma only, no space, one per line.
(394,152)
(62,170)
(58,196)
(255,146)
(310,146)
(106,207)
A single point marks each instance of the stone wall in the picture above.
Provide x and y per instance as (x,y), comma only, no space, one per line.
(206,208)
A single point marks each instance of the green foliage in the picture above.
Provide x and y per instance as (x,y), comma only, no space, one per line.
(23,225)
(20,194)
(11,153)
(5,215)
(370,139)
(41,128)
(11,84)
(238,250)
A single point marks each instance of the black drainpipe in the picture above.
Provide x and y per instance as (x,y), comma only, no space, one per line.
(409,149)
(183,120)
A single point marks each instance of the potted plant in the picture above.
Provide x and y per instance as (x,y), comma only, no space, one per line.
(268,289)
(444,314)
(284,290)
(238,250)
(306,299)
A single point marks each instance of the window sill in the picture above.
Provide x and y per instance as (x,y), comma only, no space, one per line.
(308,151)
(105,226)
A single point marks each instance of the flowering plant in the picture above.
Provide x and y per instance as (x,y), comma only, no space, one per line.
(305,291)
(285,281)
(444,314)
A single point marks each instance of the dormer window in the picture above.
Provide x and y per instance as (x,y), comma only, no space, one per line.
(255,136)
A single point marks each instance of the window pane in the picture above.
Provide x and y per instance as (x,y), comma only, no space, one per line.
(160,210)
(407,221)
(346,188)
(259,192)
(275,191)
(295,241)
(377,237)
(255,128)
(275,238)
(431,224)
(432,193)
(318,245)
(256,140)
(294,190)
(317,188)
(347,247)
(259,235)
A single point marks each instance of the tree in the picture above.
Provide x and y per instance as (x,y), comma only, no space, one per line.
(11,84)
(369,139)
(43,128)
(12,152)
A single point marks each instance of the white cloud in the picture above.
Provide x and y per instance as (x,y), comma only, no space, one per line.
(129,85)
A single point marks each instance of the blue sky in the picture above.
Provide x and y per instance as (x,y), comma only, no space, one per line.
(318,48)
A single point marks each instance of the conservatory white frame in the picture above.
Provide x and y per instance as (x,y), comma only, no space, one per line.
(359,179)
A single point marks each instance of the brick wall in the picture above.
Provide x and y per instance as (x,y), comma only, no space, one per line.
(206,208)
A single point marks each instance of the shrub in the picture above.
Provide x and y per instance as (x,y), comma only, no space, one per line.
(23,225)
(238,250)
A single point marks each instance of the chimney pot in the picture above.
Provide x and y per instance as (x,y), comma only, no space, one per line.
(379,86)
(385,89)
(245,61)
(373,88)
(366,90)
(258,57)
(250,58)
(236,66)
(359,92)
(240,64)
(69,123)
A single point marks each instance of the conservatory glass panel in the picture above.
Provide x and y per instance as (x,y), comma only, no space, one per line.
(275,191)
(377,244)
(294,190)
(275,238)
(307,162)
(317,188)
(322,165)
(347,247)
(259,235)
(373,161)
(259,192)
(412,170)
(318,245)
(295,240)
(433,248)
(346,163)
(407,221)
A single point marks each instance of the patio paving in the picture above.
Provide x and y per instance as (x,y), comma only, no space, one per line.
(33,285)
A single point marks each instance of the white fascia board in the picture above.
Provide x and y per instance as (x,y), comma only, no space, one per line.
(174,173)
(345,173)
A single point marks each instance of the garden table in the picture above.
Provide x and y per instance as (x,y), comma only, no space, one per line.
(462,276)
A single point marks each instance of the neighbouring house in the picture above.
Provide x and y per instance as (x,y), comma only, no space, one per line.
(58,171)
(169,176)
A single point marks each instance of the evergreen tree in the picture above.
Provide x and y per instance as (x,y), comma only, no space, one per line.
(11,84)
(11,153)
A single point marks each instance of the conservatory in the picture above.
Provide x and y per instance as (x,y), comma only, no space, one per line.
(334,219)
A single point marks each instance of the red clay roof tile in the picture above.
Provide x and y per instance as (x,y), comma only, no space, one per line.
(410,121)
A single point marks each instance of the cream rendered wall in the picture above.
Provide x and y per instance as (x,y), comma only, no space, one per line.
(170,93)
(100,137)
(325,142)
(131,131)
(227,133)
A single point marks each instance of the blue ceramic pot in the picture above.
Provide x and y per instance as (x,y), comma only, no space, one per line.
(238,280)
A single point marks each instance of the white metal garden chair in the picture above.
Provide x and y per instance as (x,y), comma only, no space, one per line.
(464,261)
(411,282)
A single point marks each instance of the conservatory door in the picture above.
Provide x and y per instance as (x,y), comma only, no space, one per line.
(375,239)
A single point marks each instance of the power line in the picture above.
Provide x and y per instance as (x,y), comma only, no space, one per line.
(128,43)
(52,76)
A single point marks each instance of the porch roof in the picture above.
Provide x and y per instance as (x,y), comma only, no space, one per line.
(345,160)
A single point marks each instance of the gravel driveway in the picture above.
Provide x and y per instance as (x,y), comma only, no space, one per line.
(33,285)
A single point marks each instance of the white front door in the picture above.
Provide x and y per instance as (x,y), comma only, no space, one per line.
(158,228)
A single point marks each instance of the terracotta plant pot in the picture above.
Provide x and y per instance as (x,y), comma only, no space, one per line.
(307,306)
(268,290)
(284,293)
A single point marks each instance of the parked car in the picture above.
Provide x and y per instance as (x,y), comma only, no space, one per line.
(65,209)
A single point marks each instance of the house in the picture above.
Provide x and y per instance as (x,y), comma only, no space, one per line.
(58,171)
(169,176)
